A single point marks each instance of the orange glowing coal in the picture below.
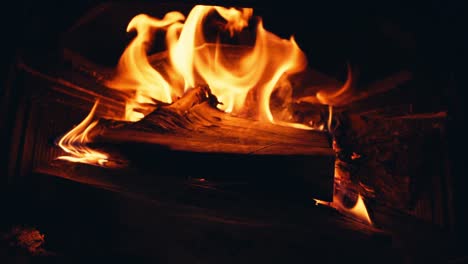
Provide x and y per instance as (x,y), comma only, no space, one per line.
(74,143)
(242,76)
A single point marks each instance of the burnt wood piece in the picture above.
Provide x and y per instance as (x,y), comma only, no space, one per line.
(403,162)
(191,138)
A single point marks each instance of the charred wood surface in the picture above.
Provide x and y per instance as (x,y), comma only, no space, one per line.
(400,155)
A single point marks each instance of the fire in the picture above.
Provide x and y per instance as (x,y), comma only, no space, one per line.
(330,117)
(339,96)
(74,143)
(343,187)
(358,211)
(242,75)
(135,73)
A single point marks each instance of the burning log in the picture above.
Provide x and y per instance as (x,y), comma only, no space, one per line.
(179,135)
(192,138)
(399,161)
(206,148)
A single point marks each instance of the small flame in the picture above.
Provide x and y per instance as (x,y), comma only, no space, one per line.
(317,202)
(358,211)
(344,187)
(336,97)
(330,117)
(242,77)
(74,142)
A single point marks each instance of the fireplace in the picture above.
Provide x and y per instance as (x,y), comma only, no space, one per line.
(354,162)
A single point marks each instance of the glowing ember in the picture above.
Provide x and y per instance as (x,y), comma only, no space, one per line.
(74,143)
(354,156)
(242,76)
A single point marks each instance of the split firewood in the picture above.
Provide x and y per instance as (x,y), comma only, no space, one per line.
(192,137)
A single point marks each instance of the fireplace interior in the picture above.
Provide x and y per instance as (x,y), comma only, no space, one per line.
(379,178)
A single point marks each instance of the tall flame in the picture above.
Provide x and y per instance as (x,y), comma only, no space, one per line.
(243,84)
(74,143)
(135,73)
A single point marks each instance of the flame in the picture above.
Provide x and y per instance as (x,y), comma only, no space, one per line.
(330,117)
(358,211)
(343,186)
(336,97)
(135,73)
(74,142)
(317,202)
(241,76)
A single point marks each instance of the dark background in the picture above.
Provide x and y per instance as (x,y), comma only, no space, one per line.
(375,37)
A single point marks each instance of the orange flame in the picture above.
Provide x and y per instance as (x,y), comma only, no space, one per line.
(242,77)
(359,210)
(336,97)
(135,73)
(74,142)
(330,117)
